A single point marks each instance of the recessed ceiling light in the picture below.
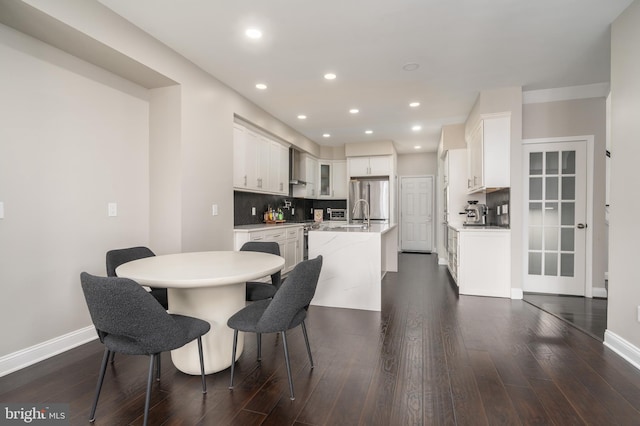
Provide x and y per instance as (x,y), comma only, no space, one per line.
(354,110)
(417,147)
(416,128)
(330,76)
(411,66)
(326,135)
(368,131)
(414,104)
(302,117)
(261,86)
(253,33)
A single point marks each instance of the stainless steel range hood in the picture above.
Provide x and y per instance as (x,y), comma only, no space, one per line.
(295,172)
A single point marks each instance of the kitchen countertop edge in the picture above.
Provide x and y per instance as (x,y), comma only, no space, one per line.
(266,226)
(488,228)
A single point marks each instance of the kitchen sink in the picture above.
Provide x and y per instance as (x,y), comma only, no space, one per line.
(354,225)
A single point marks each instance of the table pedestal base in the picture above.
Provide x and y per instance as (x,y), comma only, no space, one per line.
(215,305)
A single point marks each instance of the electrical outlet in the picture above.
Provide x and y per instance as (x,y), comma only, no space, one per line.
(214,210)
(498,211)
(112,209)
(638,313)
(505,208)
(1,210)
(253,211)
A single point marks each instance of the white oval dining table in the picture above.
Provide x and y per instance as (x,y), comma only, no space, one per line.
(207,285)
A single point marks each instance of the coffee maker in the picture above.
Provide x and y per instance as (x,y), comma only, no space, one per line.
(476,214)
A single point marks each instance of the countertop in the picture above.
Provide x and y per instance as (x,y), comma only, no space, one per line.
(374,228)
(266,226)
(491,228)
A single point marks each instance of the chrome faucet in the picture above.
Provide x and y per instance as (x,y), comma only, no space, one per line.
(367,216)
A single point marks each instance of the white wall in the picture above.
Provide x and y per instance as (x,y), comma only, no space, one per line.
(425,163)
(73,138)
(624,274)
(577,118)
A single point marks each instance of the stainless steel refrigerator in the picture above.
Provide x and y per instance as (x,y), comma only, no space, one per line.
(376,192)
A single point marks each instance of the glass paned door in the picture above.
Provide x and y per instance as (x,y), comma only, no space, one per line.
(555,195)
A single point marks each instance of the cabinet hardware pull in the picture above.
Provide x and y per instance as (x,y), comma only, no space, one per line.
(581,226)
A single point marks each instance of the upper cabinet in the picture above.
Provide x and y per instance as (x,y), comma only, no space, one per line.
(488,151)
(279,171)
(381,165)
(259,163)
(332,181)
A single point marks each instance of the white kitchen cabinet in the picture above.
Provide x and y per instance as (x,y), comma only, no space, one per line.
(244,158)
(259,163)
(455,189)
(452,248)
(289,238)
(488,150)
(308,170)
(278,168)
(380,165)
(479,261)
(263,163)
(332,182)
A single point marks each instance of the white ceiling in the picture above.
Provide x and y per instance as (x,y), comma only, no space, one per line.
(461,46)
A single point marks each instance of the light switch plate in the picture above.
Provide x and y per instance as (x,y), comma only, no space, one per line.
(112,209)
(253,211)
(498,211)
(214,210)
(505,208)
(1,210)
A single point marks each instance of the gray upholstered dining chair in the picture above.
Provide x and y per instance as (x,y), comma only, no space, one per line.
(285,311)
(131,322)
(117,257)
(260,290)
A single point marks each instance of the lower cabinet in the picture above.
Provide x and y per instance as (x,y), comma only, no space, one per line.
(289,238)
(480,261)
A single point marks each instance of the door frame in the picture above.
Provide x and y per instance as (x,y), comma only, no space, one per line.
(433,209)
(589,141)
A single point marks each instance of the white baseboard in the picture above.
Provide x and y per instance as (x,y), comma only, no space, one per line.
(29,356)
(599,292)
(443,261)
(517,293)
(623,348)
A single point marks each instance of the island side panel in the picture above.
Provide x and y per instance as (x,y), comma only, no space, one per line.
(350,276)
(390,250)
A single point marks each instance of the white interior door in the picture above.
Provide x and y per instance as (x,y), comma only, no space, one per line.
(555,193)
(417,213)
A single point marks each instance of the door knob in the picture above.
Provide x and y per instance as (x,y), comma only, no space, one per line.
(581,225)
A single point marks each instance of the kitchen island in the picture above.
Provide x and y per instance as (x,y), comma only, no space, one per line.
(354,261)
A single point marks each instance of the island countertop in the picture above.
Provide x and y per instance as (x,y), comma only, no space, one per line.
(374,228)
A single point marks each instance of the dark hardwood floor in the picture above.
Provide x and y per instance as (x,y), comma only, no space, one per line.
(429,358)
(587,314)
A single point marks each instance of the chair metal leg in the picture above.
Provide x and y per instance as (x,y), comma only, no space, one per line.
(259,343)
(306,340)
(204,381)
(286,360)
(233,356)
(113,357)
(103,370)
(147,400)
(158,366)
